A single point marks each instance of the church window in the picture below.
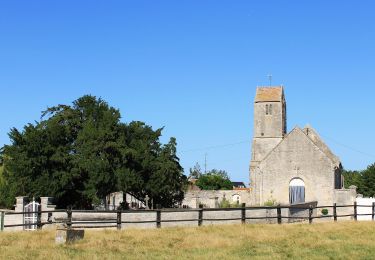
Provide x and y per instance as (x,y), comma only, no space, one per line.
(296,191)
(267,109)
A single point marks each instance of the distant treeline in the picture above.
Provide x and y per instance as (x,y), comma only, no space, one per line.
(364,180)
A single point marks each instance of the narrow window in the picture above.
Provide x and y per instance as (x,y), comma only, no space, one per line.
(266,109)
(270,109)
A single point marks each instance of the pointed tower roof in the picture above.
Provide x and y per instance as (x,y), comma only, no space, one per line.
(269,94)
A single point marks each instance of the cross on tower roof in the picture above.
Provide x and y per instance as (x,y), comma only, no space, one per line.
(270,79)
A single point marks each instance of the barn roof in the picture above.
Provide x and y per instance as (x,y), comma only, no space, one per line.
(269,94)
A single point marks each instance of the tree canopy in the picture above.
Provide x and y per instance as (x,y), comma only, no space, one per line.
(80,153)
(214,180)
(364,180)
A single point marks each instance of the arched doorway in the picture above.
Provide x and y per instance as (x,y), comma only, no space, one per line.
(296,191)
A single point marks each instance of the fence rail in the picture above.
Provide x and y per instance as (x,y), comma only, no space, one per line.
(71,221)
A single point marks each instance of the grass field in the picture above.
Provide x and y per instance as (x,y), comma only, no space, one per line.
(345,240)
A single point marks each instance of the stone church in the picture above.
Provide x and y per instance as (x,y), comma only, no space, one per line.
(294,167)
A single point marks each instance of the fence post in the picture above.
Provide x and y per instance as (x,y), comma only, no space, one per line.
(334,212)
(69,213)
(279,220)
(200,215)
(158,215)
(2,220)
(118,219)
(373,211)
(243,213)
(355,211)
(39,218)
(310,214)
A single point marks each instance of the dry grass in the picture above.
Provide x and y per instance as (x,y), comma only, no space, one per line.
(345,240)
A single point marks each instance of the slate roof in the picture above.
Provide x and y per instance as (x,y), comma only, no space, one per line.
(238,184)
(269,94)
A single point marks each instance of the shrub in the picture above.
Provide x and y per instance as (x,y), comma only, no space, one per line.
(324,212)
(226,204)
(270,202)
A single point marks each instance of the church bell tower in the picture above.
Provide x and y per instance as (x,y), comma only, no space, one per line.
(269,122)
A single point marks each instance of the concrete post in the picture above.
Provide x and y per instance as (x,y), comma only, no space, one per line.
(20,203)
(46,205)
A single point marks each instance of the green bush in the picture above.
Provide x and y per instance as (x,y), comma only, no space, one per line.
(325,212)
(226,204)
(270,202)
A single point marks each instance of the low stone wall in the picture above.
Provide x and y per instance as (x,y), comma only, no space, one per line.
(212,198)
(176,217)
(13,220)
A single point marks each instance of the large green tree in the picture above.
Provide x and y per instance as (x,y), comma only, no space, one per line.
(364,180)
(368,178)
(81,153)
(214,180)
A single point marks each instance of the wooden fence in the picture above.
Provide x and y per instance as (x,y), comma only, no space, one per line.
(119,216)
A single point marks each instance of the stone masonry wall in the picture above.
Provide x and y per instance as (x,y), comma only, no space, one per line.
(295,157)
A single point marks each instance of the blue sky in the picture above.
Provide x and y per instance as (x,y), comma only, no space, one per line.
(193,66)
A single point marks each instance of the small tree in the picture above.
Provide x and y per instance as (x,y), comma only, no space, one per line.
(227,204)
(214,180)
(195,172)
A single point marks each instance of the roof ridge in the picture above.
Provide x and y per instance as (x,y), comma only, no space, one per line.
(297,128)
(325,149)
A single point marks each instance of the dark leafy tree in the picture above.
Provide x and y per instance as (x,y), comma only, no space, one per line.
(368,179)
(149,168)
(364,180)
(214,180)
(353,178)
(80,153)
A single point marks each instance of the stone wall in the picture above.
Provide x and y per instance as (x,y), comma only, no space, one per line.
(295,157)
(212,199)
(16,219)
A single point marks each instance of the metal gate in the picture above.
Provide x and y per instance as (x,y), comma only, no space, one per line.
(30,216)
